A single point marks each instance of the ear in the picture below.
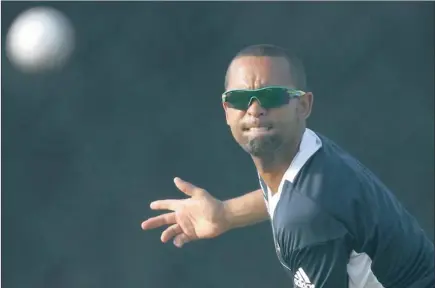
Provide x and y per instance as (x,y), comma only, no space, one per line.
(306,104)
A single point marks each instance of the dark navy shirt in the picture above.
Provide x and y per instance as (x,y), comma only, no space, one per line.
(336,225)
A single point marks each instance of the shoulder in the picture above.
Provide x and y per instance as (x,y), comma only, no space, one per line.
(333,178)
(341,189)
(302,222)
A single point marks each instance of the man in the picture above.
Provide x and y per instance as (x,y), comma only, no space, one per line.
(334,223)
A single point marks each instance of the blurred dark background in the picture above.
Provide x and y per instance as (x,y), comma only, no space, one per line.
(85,150)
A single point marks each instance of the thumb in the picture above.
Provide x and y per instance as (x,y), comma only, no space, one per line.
(186,187)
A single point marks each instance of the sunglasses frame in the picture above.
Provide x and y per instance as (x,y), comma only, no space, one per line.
(292,93)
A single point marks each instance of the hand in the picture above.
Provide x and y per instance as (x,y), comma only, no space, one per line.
(199,217)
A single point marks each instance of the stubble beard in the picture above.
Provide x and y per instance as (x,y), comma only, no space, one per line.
(264,148)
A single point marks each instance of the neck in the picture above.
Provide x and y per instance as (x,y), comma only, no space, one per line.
(273,167)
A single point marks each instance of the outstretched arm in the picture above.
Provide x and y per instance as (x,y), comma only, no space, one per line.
(202,216)
(246,210)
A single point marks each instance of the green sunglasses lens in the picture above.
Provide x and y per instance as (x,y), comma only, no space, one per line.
(273,97)
(268,97)
(239,99)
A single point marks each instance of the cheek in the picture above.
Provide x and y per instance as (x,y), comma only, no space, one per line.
(298,112)
(233,116)
(287,118)
(234,119)
(286,114)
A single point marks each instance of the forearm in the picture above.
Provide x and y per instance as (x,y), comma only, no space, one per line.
(246,210)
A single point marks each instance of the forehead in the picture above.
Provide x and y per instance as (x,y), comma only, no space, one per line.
(253,72)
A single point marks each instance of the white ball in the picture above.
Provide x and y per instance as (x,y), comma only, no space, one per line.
(40,39)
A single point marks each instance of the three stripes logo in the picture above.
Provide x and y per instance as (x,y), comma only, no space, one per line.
(301,279)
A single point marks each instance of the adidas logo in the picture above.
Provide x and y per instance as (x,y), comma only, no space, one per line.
(301,279)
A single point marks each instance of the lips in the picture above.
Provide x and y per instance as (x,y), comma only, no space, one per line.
(258,129)
(257,126)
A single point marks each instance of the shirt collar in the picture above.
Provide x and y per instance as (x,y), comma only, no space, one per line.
(309,145)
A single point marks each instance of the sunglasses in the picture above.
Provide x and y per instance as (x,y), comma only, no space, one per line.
(267,97)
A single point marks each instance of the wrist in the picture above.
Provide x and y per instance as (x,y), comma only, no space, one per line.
(228,216)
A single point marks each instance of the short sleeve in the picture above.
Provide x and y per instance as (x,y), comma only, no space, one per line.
(322,265)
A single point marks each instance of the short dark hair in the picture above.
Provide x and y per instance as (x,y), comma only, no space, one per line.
(297,69)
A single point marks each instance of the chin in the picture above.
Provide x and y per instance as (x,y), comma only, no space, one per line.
(263,145)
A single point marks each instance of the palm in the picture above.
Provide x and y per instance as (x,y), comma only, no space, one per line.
(199,217)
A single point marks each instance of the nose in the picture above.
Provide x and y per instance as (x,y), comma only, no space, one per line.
(255,109)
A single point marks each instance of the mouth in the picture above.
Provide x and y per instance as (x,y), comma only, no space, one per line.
(257,130)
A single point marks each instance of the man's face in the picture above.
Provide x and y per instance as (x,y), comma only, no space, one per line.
(262,131)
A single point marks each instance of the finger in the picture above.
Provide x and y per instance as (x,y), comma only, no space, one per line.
(181,239)
(171,232)
(154,222)
(186,187)
(165,205)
